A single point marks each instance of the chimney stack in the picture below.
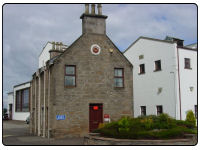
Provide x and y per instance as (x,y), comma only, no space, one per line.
(99,9)
(86,8)
(93,9)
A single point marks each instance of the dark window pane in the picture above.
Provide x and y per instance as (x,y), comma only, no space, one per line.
(142,68)
(157,65)
(159,110)
(118,82)
(187,63)
(25,106)
(143,110)
(69,80)
(70,70)
(18,101)
(118,72)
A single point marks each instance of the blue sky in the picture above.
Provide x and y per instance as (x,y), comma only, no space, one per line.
(27,28)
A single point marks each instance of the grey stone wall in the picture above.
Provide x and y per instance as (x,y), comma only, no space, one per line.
(95,84)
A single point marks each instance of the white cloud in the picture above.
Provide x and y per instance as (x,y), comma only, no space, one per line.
(27,28)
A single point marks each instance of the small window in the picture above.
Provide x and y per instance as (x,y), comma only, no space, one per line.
(143,110)
(119,77)
(70,76)
(141,57)
(187,63)
(142,69)
(159,109)
(195,110)
(157,65)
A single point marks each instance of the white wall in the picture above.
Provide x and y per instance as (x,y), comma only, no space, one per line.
(20,115)
(45,55)
(145,86)
(188,78)
(9,101)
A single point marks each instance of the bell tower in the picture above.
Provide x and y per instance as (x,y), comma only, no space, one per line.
(92,22)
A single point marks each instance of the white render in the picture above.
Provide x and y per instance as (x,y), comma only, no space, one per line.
(45,55)
(146,86)
(9,101)
(20,115)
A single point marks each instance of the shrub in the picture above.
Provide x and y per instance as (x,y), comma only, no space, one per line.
(190,118)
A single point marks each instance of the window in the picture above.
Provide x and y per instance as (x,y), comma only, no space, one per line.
(70,76)
(119,77)
(159,109)
(142,69)
(157,65)
(143,110)
(22,100)
(141,57)
(195,110)
(187,63)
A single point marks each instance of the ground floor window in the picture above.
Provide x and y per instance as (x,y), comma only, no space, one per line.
(22,100)
(159,109)
(143,110)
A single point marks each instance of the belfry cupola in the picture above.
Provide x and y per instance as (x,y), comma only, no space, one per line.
(92,22)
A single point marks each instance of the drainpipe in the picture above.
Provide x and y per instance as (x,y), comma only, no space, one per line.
(48,101)
(39,106)
(179,81)
(44,110)
(35,105)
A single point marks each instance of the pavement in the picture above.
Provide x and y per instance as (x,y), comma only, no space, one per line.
(17,133)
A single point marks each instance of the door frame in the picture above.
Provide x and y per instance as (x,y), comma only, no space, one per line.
(95,104)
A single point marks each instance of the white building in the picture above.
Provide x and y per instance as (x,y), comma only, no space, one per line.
(21,101)
(164,77)
(9,105)
(50,49)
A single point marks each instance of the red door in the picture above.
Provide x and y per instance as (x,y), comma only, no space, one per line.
(95,116)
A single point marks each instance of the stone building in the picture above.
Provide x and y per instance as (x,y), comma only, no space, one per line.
(88,83)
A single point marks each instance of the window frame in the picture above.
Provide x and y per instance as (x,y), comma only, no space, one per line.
(72,75)
(141,111)
(119,77)
(158,111)
(185,63)
(140,69)
(155,68)
(21,100)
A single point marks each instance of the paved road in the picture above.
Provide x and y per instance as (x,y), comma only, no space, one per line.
(17,133)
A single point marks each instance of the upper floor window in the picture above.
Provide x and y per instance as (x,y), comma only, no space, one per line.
(159,109)
(119,77)
(143,110)
(70,76)
(157,65)
(142,69)
(22,100)
(187,63)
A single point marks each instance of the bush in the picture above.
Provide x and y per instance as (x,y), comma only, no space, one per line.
(147,127)
(190,119)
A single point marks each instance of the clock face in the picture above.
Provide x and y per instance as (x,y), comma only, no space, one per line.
(95,49)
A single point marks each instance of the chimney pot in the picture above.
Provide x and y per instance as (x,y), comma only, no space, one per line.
(93,9)
(99,9)
(86,8)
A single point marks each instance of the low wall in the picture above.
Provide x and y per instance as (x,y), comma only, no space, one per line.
(97,140)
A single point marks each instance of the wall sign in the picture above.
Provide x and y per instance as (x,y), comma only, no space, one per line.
(60,117)
(95,49)
(106,118)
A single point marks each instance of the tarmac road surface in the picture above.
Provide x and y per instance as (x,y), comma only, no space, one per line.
(17,133)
